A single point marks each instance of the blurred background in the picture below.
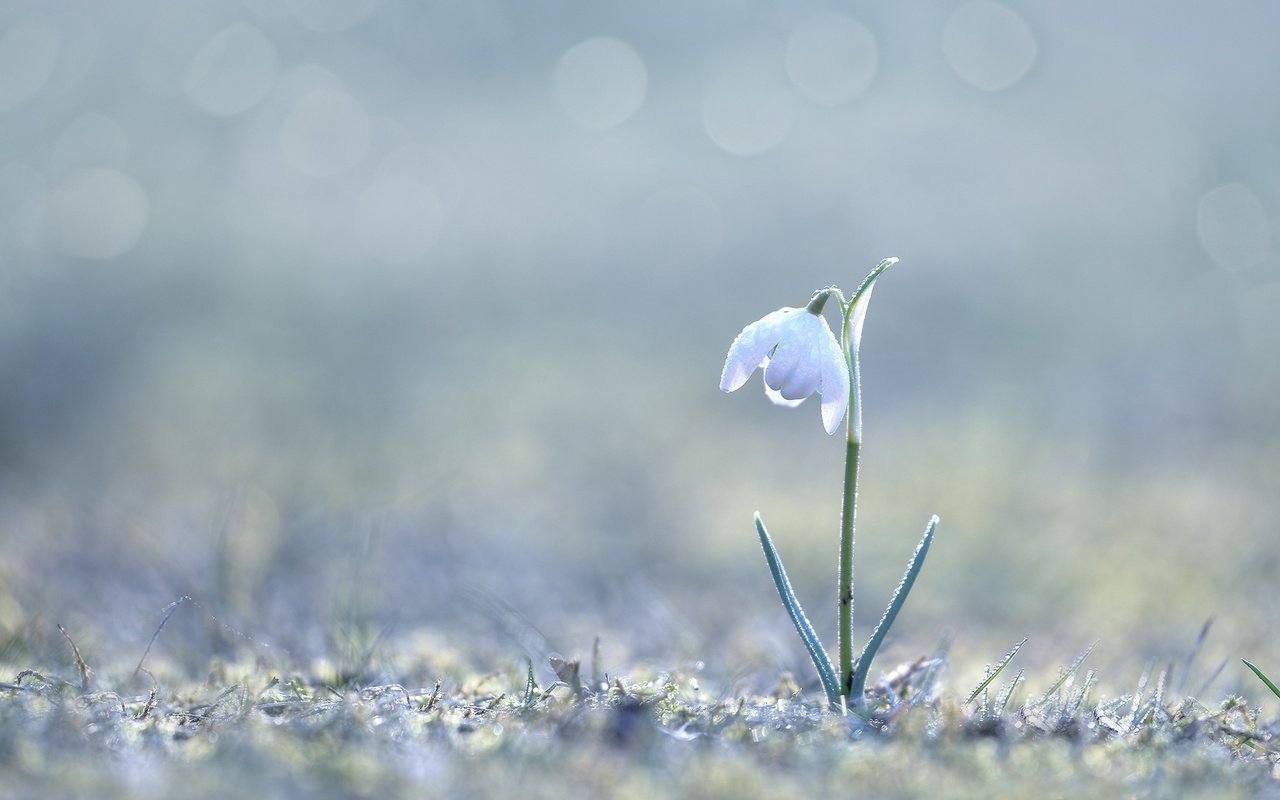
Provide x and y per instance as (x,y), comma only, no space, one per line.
(381,328)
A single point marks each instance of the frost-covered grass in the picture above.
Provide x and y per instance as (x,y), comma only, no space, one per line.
(249,729)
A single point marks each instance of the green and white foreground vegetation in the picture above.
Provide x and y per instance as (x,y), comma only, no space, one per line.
(436,718)
(250,728)
(428,722)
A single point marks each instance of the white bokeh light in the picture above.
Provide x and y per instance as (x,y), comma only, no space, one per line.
(398,219)
(832,58)
(91,140)
(680,226)
(988,45)
(746,109)
(600,83)
(232,71)
(331,16)
(96,213)
(326,133)
(1233,227)
(28,55)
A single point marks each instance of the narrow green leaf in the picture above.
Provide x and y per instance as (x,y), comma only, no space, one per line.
(871,278)
(1090,678)
(1004,662)
(1006,693)
(1263,678)
(1071,670)
(821,661)
(863,665)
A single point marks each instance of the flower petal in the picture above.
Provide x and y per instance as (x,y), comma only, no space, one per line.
(795,368)
(751,349)
(835,385)
(781,363)
(804,379)
(778,400)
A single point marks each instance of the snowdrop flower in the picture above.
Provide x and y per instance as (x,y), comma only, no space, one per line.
(799,355)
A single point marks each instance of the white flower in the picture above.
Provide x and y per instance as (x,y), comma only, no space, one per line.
(800,356)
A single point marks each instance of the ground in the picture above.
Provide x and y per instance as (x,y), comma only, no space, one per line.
(248,729)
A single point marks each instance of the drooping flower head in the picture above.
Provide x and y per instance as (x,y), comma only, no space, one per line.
(799,355)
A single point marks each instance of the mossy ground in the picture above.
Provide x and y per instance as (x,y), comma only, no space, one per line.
(250,730)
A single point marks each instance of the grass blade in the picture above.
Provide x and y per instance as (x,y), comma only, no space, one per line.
(1006,694)
(1073,707)
(168,612)
(529,686)
(821,661)
(1213,676)
(863,664)
(597,674)
(1066,675)
(86,674)
(1191,657)
(1263,678)
(1004,662)
(1143,680)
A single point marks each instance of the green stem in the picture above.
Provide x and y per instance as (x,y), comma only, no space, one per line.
(848,510)
(849,687)
(848,514)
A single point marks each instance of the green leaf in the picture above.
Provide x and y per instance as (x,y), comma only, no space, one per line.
(1004,662)
(871,278)
(863,665)
(1006,694)
(1263,678)
(821,661)
(1071,670)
